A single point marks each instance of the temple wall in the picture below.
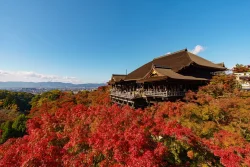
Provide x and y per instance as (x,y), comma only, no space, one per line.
(198,72)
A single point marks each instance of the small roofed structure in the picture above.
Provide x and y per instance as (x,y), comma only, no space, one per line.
(163,73)
(243,79)
(167,77)
(221,64)
(116,78)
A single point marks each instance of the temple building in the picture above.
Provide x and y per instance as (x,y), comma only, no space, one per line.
(164,78)
(243,79)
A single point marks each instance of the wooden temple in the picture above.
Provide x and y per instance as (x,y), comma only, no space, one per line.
(164,78)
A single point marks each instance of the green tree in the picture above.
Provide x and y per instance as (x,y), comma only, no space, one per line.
(7,131)
(13,129)
(19,125)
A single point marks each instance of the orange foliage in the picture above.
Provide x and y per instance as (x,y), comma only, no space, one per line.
(240,68)
(212,129)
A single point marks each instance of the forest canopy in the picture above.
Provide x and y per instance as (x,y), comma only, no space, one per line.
(208,128)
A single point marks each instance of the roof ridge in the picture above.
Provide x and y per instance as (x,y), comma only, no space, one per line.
(171,53)
(191,61)
(160,66)
(157,69)
(119,74)
(215,65)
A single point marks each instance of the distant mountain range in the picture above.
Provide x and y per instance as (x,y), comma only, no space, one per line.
(4,85)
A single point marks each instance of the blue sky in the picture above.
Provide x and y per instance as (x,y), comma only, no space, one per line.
(87,41)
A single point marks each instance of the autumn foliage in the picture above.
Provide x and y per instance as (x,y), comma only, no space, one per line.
(210,128)
(239,68)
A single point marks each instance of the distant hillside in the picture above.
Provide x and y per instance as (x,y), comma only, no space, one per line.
(4,85)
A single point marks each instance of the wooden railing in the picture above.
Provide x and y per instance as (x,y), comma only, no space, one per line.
(164,94)
(136,94)
(127,95)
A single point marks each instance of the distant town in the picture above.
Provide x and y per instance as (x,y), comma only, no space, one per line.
(40,87)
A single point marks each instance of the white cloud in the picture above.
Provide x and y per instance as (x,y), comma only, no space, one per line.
(168,53)
(197,49)
(30,76)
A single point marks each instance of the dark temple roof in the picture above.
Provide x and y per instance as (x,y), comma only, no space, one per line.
(221,64)
(164,73)
(117,78)
(176,61)
(245,77)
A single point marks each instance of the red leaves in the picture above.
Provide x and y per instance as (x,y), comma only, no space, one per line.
(241,68)
(232,149)
(174,129)
(66,134)
(77,135)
